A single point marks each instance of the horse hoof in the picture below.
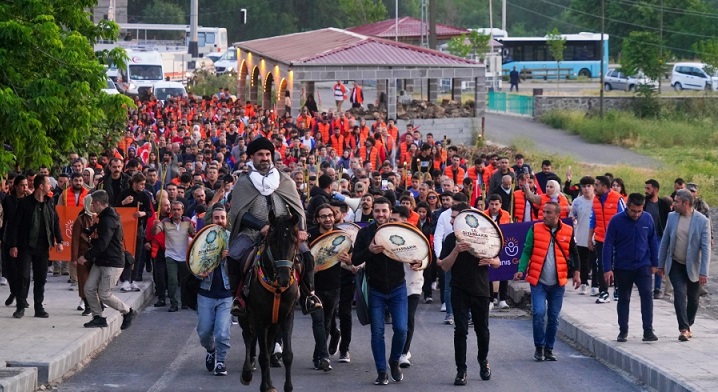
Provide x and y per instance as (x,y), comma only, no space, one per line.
(253,364)
(246,378)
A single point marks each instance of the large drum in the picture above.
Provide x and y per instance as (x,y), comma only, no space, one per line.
(205,251)
(351,229)
(327,247)
(480,231)
(404,242)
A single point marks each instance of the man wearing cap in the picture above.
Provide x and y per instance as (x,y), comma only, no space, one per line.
(698,204)
(261,192)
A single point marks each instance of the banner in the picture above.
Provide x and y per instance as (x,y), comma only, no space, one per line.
(514,240)
(68,214)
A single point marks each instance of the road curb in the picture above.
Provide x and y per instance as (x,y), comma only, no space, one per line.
(76,354)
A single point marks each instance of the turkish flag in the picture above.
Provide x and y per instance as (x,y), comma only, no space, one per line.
(144,152)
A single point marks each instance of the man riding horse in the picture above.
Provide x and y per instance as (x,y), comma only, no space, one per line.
(263,191)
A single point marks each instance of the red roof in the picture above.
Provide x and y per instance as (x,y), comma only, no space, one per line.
(408,28)
(333,46)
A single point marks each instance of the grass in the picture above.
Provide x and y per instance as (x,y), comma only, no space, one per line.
(686,148)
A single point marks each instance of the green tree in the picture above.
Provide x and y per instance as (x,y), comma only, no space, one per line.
(556,45)
(708,52)
(160,11)
(464,45)
(51,82)
(359,12)
(642,52)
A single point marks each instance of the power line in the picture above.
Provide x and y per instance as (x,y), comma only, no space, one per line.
(670,10)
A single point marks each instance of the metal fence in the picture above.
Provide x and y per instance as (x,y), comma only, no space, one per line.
(503,102)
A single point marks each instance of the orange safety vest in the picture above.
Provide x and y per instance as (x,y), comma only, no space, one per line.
(520,207)
(372,157)
(458,180)
(562,202)
(356,95)
(337,143)
(542,240)
(488,172)
(393,131)
(604,212)
(504,216)
(325,130)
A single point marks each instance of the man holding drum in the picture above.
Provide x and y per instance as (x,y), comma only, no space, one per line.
(469,293)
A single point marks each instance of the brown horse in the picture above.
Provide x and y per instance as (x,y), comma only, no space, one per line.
(270,306)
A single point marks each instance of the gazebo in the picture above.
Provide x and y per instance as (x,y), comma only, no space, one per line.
(294,62)
(407,30)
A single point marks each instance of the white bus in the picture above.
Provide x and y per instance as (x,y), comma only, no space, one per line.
(154,37)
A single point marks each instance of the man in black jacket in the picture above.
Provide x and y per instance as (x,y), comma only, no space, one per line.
(387,289)
(319,195)
(108,258)
(35,228)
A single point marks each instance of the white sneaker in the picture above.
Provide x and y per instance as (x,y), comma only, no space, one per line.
(73,286)
(503,305)
(491,306)
(408,355)
(235,321)
(435,286)
(125,287)
(443,308)
(594,291)
(583,290)
(135,287)
(404,361)
(3,281)
(81,305)
(277,349)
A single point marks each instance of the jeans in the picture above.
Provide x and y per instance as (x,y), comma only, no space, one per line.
(625,279)
(321,322)
(447,292)
(597,273)
(344,312)
(213,322)
(478,307)
(37,262)
(685,295)
(585,257)
(541,295)
(177,272)
(412,304)
(99,288)
(397,303)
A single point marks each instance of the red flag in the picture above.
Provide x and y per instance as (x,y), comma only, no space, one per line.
(144,152)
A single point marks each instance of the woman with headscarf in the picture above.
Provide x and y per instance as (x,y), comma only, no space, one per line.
(553,193)
(80,244)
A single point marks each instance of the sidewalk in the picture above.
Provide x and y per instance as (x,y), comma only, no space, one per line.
(666,365)
(36,351)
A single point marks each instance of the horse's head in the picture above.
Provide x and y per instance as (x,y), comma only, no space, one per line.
(282,248)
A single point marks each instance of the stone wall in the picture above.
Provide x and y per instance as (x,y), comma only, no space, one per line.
(458,130)
(545,103)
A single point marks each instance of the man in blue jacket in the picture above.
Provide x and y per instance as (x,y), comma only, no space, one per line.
(630,254)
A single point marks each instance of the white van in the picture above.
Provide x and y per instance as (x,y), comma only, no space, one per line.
(692,76)
(227,63)
(164,90)
(142,71)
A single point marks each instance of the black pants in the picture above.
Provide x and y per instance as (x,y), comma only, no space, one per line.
(462,303)
(9,270)
(686,295)
(321,321)
(37,261)
(503,293)
(413,304)
(344,313)
(586,257)
(429,278)
(597,272)
(160,276)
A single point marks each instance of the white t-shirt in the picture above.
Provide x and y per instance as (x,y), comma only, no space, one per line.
(581,209)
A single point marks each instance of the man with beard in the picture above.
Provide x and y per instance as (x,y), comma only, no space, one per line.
(74,195)
(116,182)
(659,209)
(136,197)
(366,213)
(9,206)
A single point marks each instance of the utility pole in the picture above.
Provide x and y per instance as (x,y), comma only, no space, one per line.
(396,20)
(603,26)
(193,24)
(503,15)
(432,24)
(660,29)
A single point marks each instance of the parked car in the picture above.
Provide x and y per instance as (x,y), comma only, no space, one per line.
(164,90)
(110,89)
(227,63)
(214,56)
(692,76)
(617,80)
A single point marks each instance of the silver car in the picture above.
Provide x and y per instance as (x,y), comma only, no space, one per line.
(617,80)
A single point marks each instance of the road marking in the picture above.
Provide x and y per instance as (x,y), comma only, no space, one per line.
(578,356)
(174,368)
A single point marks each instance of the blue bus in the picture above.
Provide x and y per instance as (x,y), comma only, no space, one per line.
(532,58)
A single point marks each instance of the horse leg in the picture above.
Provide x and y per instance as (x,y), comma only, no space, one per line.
(287,353)
(266,385)
(247,369)
(253,354)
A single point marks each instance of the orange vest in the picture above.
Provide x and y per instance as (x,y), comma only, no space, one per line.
(604,212)
(504,216)
(520,207)
(68,197)
(393,131)
(372,157)
(337,143)
(458,180)
(413,219)
(356,95)
(542,239)
(488,172)
(325,130)
(562,201)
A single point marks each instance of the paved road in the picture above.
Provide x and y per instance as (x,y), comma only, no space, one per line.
(162,353)
(507,129)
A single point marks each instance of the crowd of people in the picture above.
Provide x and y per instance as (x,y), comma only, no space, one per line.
(191,162)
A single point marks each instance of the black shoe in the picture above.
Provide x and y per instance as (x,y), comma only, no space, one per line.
(173,308)
(19,313)
(649,336)
(657,294)
(25,305)
(96,322)
(460,378)
(87,311)
(160,303)
(10,299)
(548,354)
(209,361)
(381,379)
(220,369)
(622,336)
(485,370)
(538,354)
(185,307)
(127,319)
(41,313)
(325,364)
(334,342)
(396,374)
